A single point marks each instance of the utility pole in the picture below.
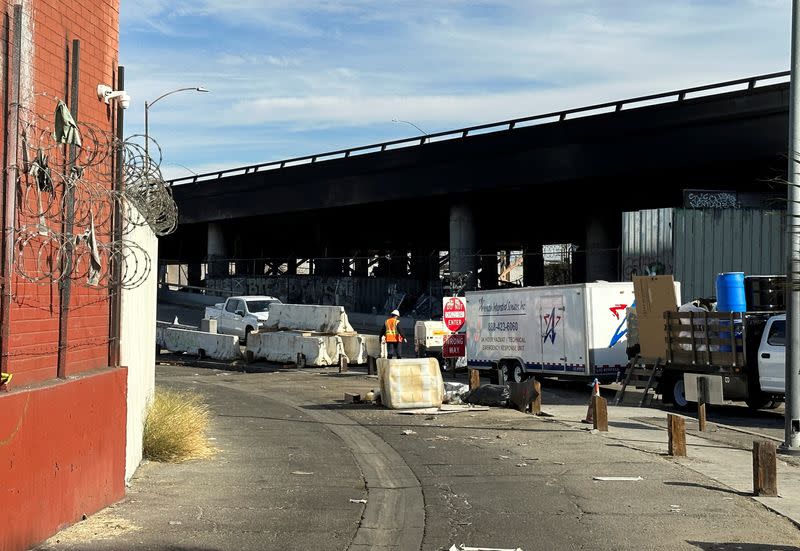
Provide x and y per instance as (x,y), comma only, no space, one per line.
(791,443)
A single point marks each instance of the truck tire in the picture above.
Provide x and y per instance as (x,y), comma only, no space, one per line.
(517,374)
(677,393)
(246,334)
(773,404)
(758,400)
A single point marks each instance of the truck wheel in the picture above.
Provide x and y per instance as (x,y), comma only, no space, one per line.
(246,333)
(517,374)
(757,400)
(678,393)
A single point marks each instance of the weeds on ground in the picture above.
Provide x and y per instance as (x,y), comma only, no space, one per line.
(175,427)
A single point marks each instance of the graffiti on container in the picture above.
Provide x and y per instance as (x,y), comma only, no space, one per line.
(645,266)
(711,200)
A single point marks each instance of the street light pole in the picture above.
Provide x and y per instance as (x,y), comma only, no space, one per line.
(791,444)
(425,134)
(148,105)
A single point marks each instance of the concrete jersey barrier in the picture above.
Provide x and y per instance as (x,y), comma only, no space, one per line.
(219,347)
(283,347)
(308,317)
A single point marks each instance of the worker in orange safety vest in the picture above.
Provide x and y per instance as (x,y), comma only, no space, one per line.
(391,335)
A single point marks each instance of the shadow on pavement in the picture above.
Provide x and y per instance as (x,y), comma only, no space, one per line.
(711,546)
(707,487)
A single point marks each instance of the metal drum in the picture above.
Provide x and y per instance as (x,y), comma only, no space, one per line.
(765,293)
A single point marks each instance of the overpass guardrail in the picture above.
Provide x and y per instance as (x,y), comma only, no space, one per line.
(675,96)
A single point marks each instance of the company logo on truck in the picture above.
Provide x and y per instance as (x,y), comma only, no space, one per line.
(551,321)
(622,330)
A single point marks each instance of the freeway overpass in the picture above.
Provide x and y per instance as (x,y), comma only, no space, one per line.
(560,177)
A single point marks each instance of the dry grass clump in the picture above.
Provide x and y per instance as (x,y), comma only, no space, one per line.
(175,428)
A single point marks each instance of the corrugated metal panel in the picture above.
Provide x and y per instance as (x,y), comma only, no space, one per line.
(711,241)
(696,244)
(646,242)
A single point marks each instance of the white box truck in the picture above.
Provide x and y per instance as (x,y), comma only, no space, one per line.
(566,331)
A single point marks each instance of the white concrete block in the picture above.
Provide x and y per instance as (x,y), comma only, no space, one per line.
(208,325)
(410,383)
(219,347)
(308,317)
(283,347)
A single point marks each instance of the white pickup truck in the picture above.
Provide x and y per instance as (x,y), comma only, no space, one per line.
(241,315)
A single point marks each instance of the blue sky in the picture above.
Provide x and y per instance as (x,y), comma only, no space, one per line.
(295,77)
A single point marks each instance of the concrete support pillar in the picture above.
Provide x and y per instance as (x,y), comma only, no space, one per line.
(488,275)
(216,253)
(462,242)
(601,252)
(291,266)
(533,265)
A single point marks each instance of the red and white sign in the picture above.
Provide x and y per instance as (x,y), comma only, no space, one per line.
(455,346)
(454,313)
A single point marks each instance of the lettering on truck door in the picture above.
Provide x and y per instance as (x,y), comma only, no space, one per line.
(552,322)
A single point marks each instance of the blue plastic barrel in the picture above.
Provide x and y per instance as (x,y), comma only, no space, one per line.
(730,292)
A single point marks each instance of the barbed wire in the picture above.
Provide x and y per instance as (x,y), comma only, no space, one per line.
(55,179)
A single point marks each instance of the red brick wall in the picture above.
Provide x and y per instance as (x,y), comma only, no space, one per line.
(51,26)
(62,442)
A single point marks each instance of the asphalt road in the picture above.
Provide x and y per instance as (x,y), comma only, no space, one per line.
(293,455)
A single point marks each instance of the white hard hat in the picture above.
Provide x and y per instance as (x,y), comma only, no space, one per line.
(395,312)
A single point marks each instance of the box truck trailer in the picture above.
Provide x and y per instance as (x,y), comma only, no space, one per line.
(566,331)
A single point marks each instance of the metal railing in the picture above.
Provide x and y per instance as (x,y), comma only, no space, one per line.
(501,126)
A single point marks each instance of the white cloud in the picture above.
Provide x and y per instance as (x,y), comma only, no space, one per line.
(294,66)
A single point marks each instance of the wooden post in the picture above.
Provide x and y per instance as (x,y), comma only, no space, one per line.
(765,474)
(301,360)
(371,368)
(536,405)
(474,379)
(342,363)
(702,398)
(600,413)
(676,427)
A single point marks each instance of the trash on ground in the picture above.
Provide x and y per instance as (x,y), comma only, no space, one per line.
(440,437)
(444,410)
(504,457)
(302,473)
(463,547)
(489,395)
(408,432)
(352,398)
(358,500)
(454,393)
(175,523)
(617,478)
(523,464)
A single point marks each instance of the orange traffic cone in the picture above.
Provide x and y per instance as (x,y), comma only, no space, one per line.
(589,412)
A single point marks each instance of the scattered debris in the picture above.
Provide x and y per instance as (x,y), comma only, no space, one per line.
(558,463)
(323,387)
(523,464)
(463,547)
(175,523)
(500,436)
(617,478)
(455,393)
(441,437)
(504,457)
(489,395)
(443,410)
(364,501)
(302,473)
(675,509)
(352,398)
(408,432)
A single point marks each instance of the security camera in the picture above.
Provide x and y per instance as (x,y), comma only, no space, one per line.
(106,93)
